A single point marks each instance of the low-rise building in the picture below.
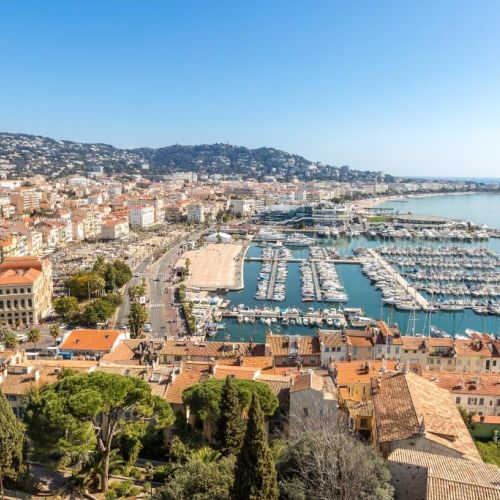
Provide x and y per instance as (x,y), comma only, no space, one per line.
(414,413)
(294,350)
(141,216)
(113,229)
(25,290)
(196,213)
(97,343)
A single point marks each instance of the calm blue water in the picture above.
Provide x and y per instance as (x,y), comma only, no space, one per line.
(360,292)
(481,208)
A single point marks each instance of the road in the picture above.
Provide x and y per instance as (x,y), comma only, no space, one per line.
(122,317)
(163,315)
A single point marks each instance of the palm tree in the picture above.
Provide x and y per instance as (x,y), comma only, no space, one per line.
(10,340)
(205,455)
(34,335)
(55,331)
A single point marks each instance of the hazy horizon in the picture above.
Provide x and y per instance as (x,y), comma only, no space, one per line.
(409,88)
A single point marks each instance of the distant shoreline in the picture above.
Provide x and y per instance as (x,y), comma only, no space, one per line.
(373,202)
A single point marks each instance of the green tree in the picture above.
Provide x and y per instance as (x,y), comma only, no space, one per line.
(200,480)
(123,273)
(84,285)
(134,292)
(255,474)
(87,411)
(55,331)
(136,318)
(204,398)
(100,310)
(467,418)
(10,340)
(110,277)
(230,425)
(34,335)
(11,444)
(66,307)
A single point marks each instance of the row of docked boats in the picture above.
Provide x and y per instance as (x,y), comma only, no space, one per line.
(271,283)
(389,232)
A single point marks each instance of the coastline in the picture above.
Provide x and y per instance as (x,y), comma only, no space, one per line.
(378,200)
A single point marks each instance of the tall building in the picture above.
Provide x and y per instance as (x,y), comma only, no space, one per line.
(25,290)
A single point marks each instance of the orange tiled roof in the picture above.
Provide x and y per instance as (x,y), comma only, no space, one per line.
(355,372)
(280,344)
(90,340)
(407,405)
(184,380)
(22,277)
(307,381)
(487,384)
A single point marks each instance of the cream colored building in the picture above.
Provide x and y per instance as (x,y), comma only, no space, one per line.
(25,290)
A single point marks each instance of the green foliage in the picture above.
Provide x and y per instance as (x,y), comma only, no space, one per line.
(11,444)
(230,425)
(8,337)
(203,399)
(200,480)
(100,310)
(467,417)
(55,330)
(489,451)
(85,284)
(138,315)
(255,473)
(34,335)
(67,416)
(66,307)
(134,292)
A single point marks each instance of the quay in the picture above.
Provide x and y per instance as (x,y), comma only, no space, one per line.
(345,260)
(272,280)
(416,296)
(317,287)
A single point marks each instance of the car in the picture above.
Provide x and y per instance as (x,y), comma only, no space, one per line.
(157,278)
(147,327)
(137,275)
(21,337)
(123,327)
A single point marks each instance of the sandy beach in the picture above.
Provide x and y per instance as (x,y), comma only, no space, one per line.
(215,266)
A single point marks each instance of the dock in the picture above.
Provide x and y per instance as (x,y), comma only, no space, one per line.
(345,260)
(272,280)
(416,296)
(317,287)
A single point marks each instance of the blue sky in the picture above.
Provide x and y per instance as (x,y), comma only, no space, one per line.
(408,87)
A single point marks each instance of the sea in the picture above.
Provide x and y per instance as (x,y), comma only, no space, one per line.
(480,208)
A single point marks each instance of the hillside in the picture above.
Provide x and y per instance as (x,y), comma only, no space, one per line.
(36,154)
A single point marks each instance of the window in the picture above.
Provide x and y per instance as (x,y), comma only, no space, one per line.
(305,412)
(397,350)
(457,401)
(363,422)
(481,401)
(494,362)
(177,358)
(472,401)
(498,402)
(449,361)
(327,349)
(339,349)
(431,361)
(11,397)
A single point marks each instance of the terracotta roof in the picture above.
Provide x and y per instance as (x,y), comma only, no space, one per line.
(407,404)
(487,384)
(439,342)
(257,361)
(333,339)
(487,419)
(476,348)
(360,339)
(181,382)
(26,262)
(239,372)
(307,381)
(210,349)
(449,478)
(90,340)
(124,353)
(281,345)
(413,343)
(356,372)
(21,277)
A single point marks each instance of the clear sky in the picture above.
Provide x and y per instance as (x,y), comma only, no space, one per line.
(408,87)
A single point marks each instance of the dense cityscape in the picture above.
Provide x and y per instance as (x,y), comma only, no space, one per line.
(250,250)
(121,279)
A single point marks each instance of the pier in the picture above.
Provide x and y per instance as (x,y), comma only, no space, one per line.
(272,280)
(317,287)
(345,260)
(416,296)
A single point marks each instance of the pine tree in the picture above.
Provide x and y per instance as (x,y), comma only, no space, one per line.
(255,475)
(11,444)
(230,425)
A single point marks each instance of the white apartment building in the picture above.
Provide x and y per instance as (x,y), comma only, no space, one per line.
(196,213)
(141,216)
(114,229)
(241,208)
